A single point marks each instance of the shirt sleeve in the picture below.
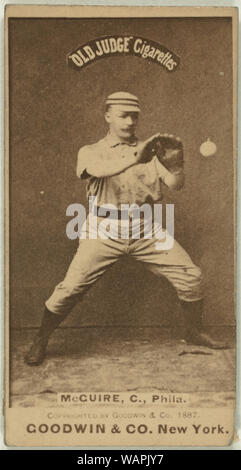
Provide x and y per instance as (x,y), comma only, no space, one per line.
(82,160)
(161,171)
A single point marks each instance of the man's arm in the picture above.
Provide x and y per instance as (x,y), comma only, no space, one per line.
(98,167)
(174,180)
(170,161)
(90,164)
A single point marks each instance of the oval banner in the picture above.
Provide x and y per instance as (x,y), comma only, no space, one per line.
(107,46)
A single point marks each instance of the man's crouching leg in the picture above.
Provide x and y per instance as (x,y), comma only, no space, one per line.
(190,289)
(57,307)
(195,333)
(37,352)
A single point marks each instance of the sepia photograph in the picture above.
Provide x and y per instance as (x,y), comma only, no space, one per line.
(120,202)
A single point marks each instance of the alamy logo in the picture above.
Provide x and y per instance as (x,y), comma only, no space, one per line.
(130,221)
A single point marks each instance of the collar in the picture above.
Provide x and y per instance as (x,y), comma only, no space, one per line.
(114,141)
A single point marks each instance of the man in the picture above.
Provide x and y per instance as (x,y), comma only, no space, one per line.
(121,171)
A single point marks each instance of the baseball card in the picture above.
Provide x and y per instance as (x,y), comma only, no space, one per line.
(120,226)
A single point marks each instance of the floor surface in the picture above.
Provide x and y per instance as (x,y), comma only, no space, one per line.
(119,359)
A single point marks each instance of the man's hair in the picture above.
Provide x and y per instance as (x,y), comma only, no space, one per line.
(107,107)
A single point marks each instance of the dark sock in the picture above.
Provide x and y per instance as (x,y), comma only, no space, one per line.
(193,313)
(50,322)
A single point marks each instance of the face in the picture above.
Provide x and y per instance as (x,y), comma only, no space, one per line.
(121,122)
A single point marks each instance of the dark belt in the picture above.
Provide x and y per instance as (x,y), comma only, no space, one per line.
(121,213)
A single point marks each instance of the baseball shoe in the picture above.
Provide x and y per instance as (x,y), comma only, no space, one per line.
(37,352)
(195,333)
(200,338)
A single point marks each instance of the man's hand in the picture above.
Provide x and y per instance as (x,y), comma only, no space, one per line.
(170,161)
(169,151)
(147,149)
(167,148)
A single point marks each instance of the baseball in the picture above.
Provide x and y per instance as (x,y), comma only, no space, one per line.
(208,148)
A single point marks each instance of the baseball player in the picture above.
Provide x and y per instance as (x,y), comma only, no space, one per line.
(121,170)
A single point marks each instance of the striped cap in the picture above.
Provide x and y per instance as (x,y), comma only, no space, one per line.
(124,100)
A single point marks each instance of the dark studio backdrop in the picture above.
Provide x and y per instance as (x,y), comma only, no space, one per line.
(54,110)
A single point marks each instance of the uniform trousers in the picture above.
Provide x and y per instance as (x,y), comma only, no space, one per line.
(94,256)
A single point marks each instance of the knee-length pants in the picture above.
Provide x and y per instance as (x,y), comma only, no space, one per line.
(94,256)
